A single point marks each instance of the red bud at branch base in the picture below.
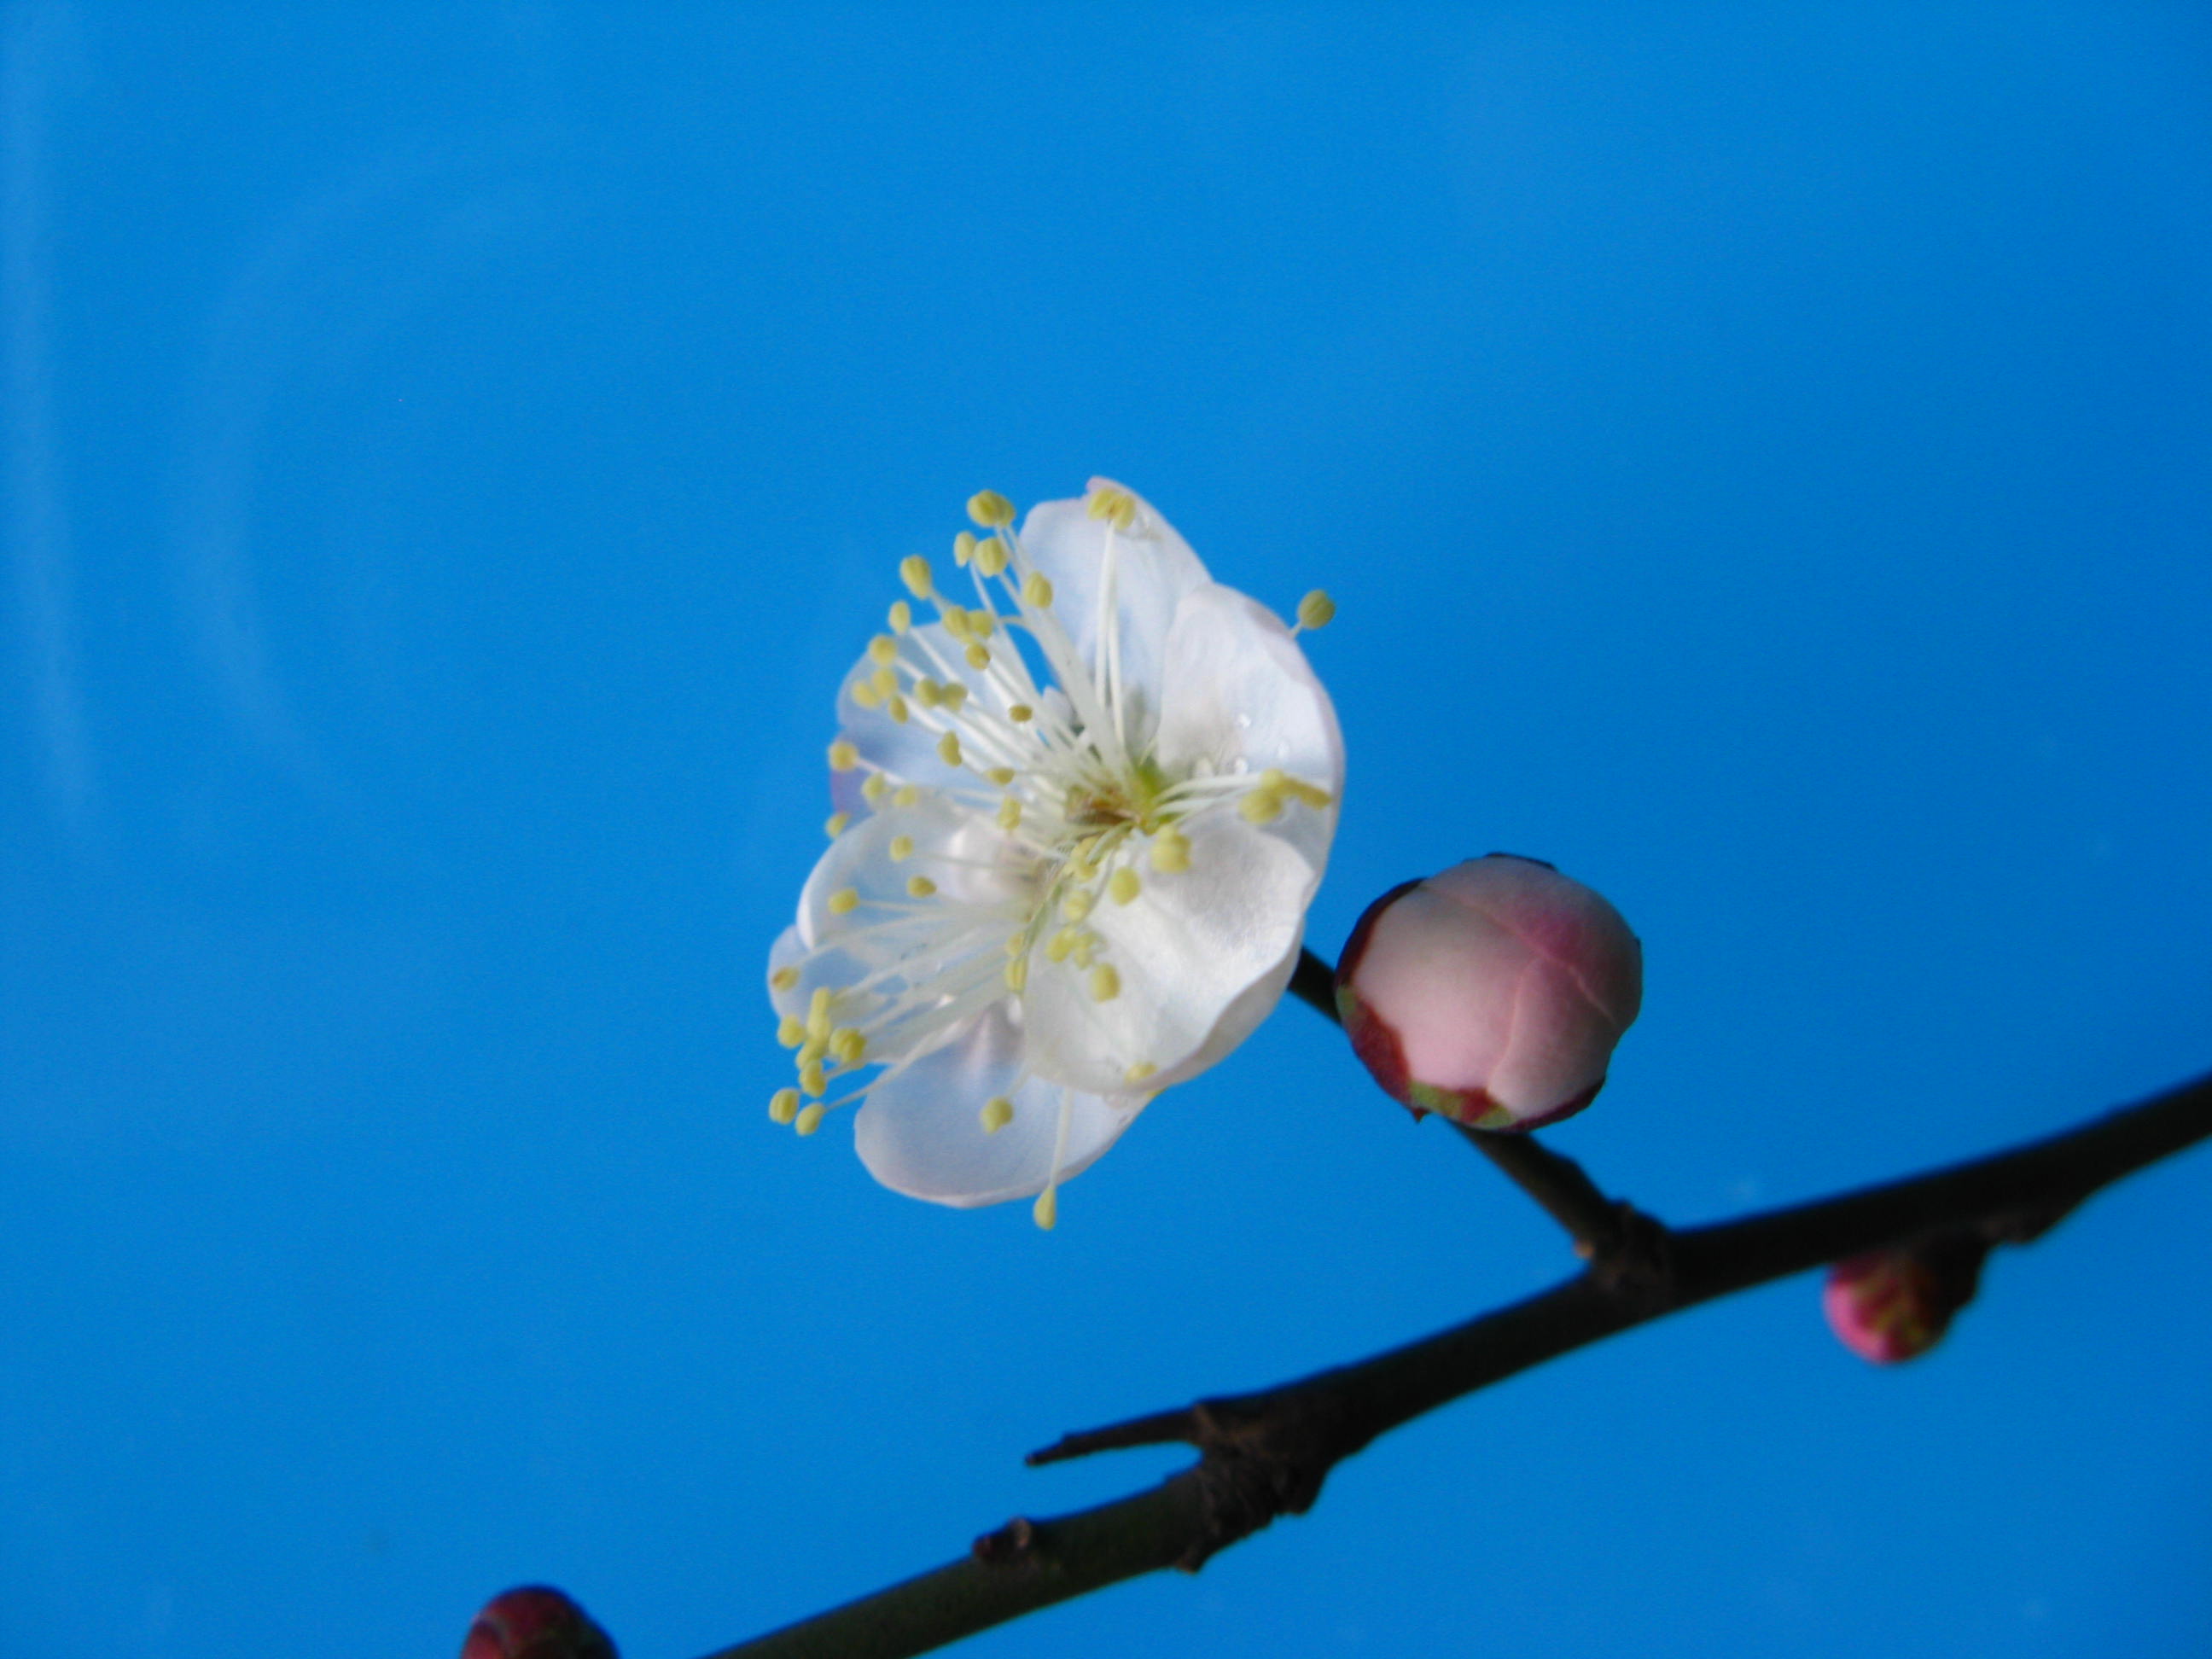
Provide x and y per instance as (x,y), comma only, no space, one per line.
(1888,1306)
(535,1622)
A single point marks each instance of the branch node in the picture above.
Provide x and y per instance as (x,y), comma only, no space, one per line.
(1260,1461)
(1011,1545)
(1635,1256)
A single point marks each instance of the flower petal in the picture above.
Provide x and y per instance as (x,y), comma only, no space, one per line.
(962,850)
(930,961)
(1561,1043)
(922,1134)
(1153,569)
(846,795)
(1240,696)
(1201,958)
(789,951)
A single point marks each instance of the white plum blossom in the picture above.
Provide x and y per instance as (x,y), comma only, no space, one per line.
(1080,822)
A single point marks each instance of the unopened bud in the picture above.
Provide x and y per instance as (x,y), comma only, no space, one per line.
(1492,993)
(1888,1306)
(535,1622)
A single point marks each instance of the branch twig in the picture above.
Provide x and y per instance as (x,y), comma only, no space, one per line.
(1622,1241)
(1266,1453)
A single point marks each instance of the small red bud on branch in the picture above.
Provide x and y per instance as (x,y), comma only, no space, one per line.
(535,1622)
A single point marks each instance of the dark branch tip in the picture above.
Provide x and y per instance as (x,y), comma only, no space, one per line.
(1157,1429)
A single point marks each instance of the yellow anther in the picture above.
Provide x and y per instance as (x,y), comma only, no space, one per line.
(1123,885)
(1261,806)
(902,616)
(1170,853)
(884,648)
(843,757)
(1018,974)
(811,1051)
(1080,866)
(1057,947)
(990,509)
(866,695)
(914,571)
(836,824)
(1086,947)
(1017,943)
(812,1082)
(1036,592)
(905,795)
(927,692)
(956,622)
(1010,814)
(844,902)
(982,623)
(817,1013)
(1021,712)
(920,887)
(810,1120)
(784,978)
(1001,775)
(894,705)
(790,1031)
(954,696)
(1076,905)
(872,791)
(964,548)
(1046,1211)
(998,1112)
(1140,1071)
(1117,505)
(783,1105)
(1307,792)
(977,657)
(948,749)
(902,848)
(883,683)
(849,1044)
(991,557)
(1316,610)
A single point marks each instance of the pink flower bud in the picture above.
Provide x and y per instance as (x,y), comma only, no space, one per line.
(535,1622)
(1893,1305)
(1492,993)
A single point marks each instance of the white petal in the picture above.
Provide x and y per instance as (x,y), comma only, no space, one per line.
(948,948)
(1242,1017)
(1202,955)
(789,951)
(829,967)
(963,851)
(846,796)
(1153,569)
(921,1133)
(1241,697)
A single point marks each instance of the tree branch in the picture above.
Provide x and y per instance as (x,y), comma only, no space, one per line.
(1266,1453)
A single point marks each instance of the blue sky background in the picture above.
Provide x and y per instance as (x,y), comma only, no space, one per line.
(450,456)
